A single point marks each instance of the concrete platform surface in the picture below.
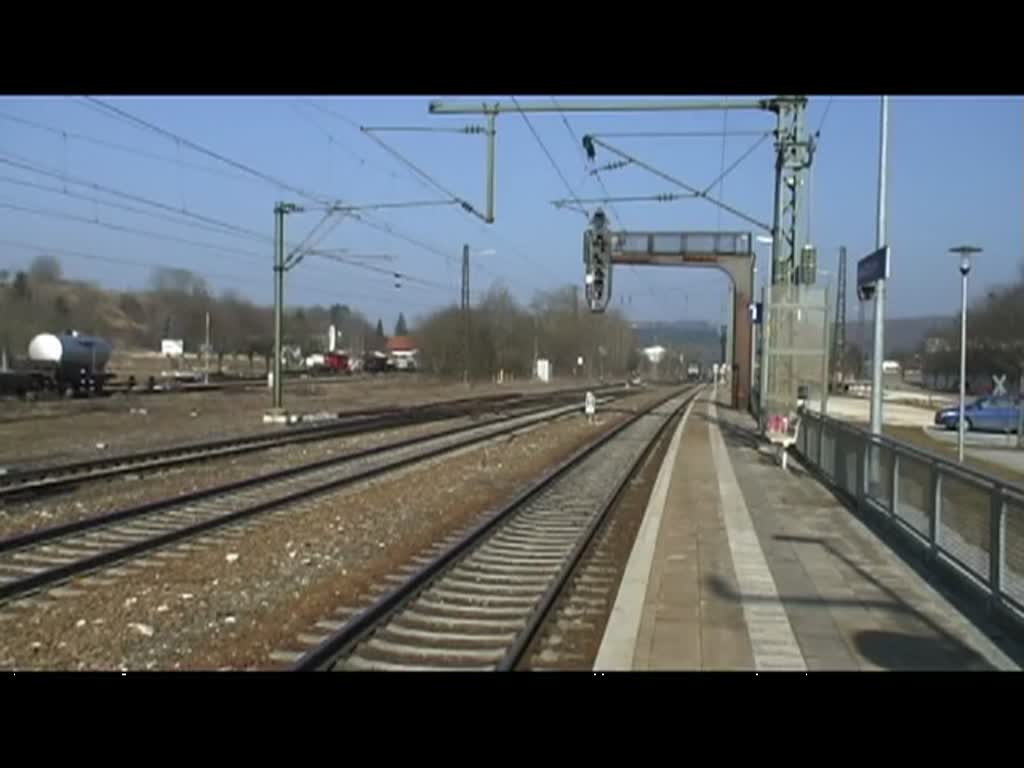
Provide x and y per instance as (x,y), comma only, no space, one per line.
(740,565)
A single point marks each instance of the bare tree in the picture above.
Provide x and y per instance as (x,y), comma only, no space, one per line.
(507,337)
(45,269)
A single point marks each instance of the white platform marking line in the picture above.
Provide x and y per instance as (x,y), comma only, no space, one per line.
(771,636)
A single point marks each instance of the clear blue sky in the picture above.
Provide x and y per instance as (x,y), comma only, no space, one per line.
(956,174)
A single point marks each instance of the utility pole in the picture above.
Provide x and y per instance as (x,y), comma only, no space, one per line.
(206,351)
(879,354)
(465,309)
(793,155)
(535,346)
(575,324)
(280,209)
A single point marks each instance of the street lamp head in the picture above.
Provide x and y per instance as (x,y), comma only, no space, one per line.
(965,252)
(764,239)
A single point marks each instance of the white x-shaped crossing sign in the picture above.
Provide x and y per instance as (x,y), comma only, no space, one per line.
(998,385)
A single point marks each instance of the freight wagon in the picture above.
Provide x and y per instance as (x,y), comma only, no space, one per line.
(67,364)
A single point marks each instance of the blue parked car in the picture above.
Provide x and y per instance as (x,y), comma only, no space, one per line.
(994,414)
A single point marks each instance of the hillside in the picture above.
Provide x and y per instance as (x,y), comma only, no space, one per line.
(702,339)
(175,306)
(902,334)
(58,305)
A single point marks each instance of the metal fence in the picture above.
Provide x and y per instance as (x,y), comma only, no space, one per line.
(794,347)
(957,517)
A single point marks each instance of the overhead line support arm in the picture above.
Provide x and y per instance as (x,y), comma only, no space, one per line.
(476,108)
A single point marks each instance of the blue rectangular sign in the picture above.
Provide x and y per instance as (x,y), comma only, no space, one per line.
(873,267)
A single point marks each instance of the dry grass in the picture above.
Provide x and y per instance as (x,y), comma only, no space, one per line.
(915,437)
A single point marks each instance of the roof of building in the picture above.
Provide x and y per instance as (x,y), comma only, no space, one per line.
(401,344)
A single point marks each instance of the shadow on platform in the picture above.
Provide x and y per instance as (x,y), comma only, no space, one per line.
(736,436)
(899,651)
(933,648)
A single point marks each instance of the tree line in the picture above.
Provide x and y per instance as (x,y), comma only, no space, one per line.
(503,334)
(173,305)
(995,336)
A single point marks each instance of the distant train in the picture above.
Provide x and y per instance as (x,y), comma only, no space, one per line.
(68,364)
(693,372)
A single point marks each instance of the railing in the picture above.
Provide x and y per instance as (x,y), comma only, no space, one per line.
(967,522)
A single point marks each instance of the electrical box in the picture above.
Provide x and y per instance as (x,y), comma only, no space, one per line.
(543,370)
(808,265)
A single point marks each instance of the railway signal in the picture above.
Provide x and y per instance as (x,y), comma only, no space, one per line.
(597,258)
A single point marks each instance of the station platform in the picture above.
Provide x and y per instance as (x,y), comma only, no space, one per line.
(740,565)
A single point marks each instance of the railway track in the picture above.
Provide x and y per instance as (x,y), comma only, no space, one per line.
(479,604)
(30,483)
(41,559)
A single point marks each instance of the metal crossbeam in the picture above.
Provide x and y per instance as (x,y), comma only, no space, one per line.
(684,244)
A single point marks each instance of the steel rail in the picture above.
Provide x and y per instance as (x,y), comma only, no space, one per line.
(364,623)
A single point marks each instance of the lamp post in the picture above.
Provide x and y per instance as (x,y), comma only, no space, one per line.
(965,252)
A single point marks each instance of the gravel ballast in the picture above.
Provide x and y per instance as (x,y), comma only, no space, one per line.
(105,496)
(33,434)
(251,590)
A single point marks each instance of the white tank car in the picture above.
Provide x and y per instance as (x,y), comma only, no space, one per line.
(70,352)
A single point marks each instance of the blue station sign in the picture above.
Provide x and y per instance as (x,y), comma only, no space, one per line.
(873,267)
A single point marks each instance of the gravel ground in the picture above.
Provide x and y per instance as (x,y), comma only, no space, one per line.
(102,497)
(252,589)
(50,432)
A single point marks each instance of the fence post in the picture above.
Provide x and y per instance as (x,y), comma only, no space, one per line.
(894,483)
(997,544)
(862,464)
(839,455)
(821,441)
(935,508)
